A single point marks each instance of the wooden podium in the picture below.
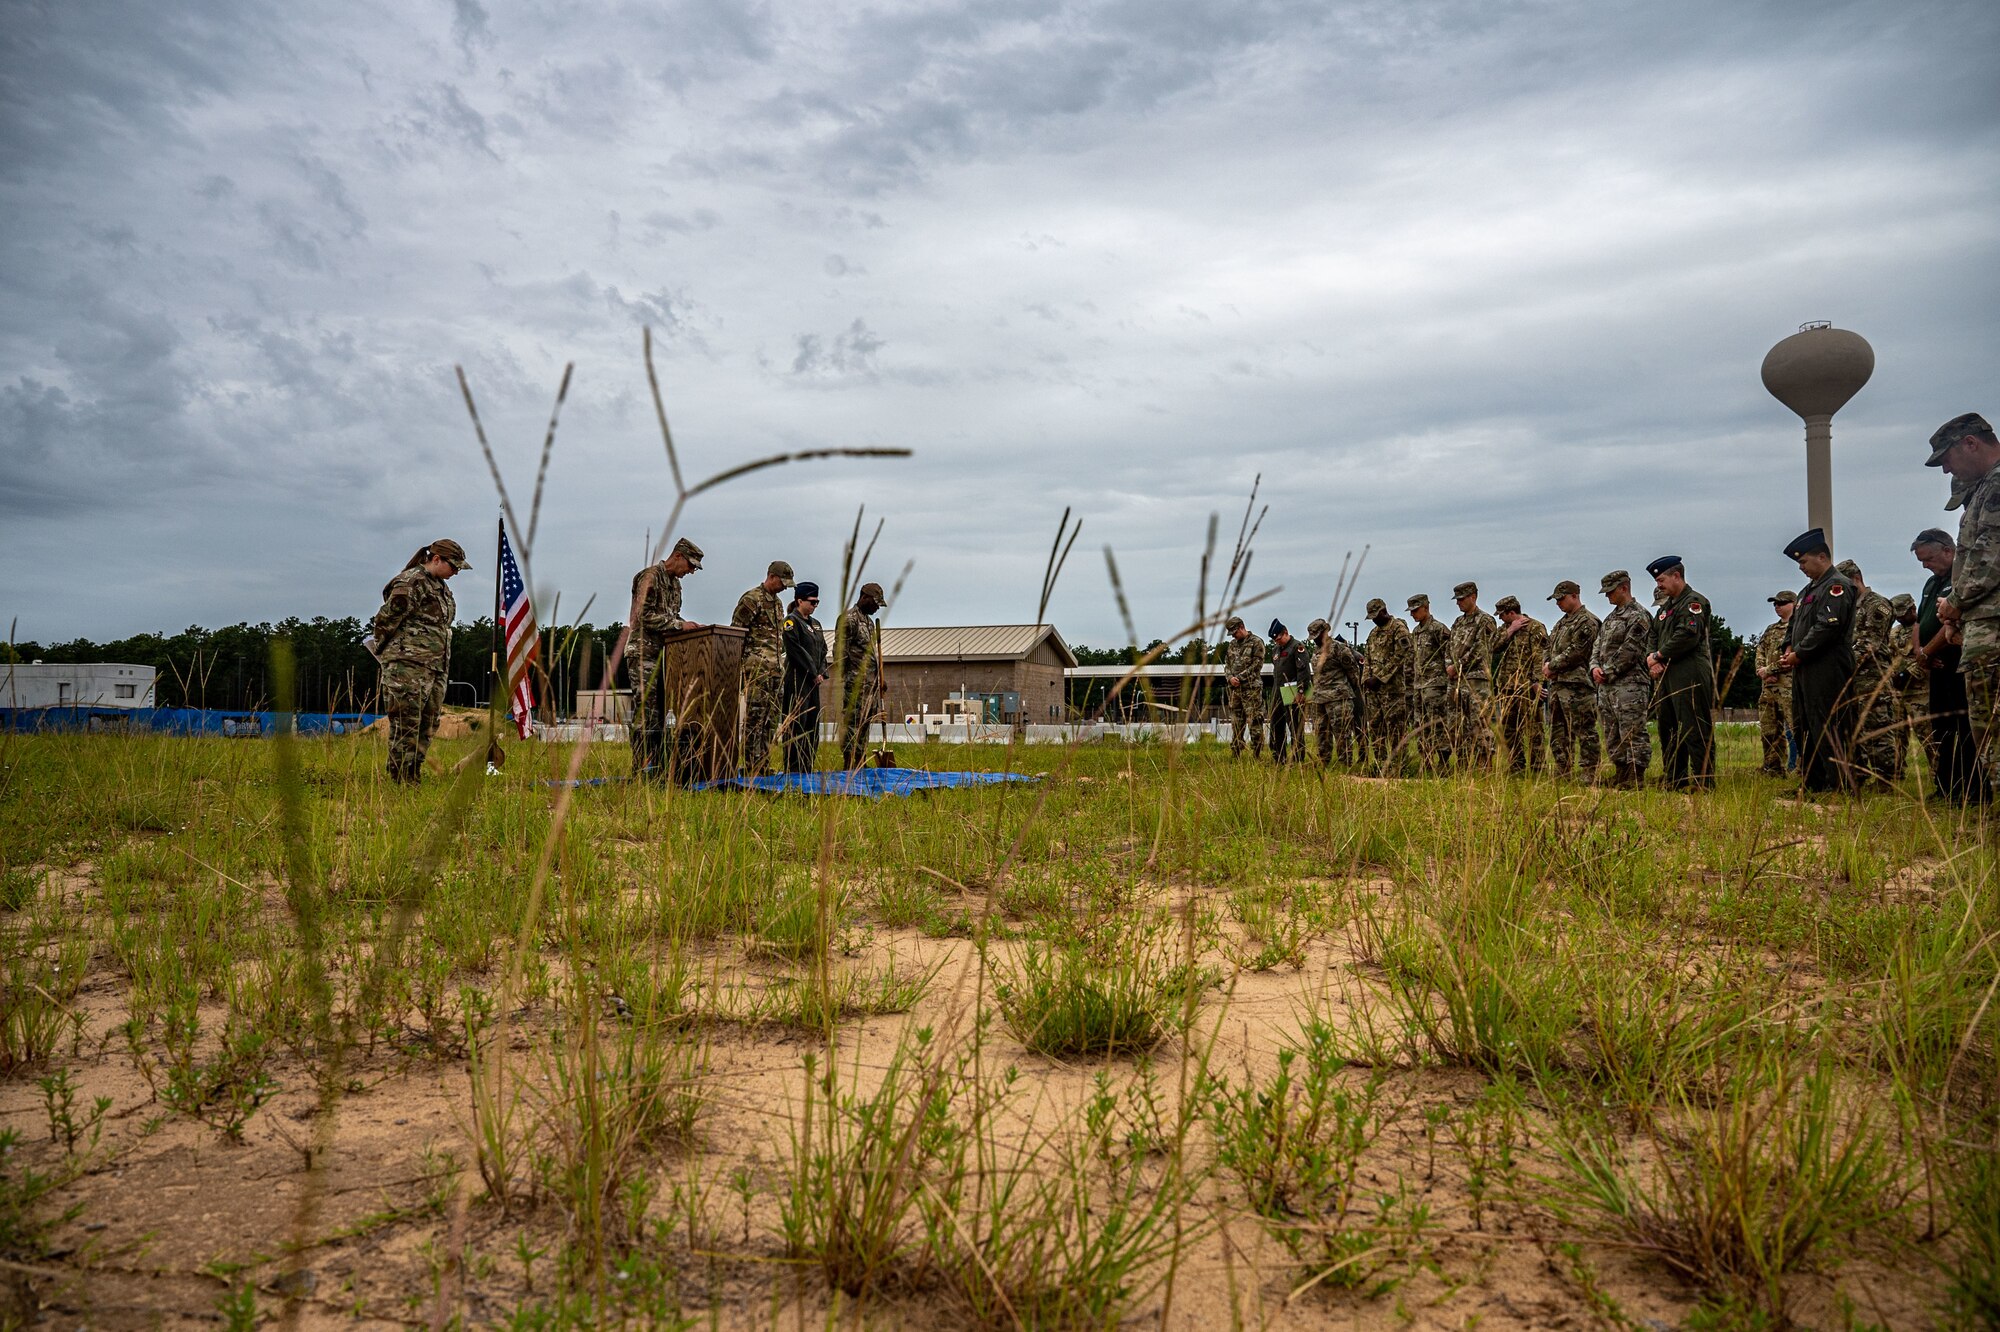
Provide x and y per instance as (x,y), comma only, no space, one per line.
(701,673)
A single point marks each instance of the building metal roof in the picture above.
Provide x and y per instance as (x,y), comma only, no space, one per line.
(968,642)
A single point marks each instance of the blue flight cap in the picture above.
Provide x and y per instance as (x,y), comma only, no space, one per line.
(1664,563)
(1277,627)
(1812,541)
(806,592)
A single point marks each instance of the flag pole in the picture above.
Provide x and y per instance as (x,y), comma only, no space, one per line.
(494,757)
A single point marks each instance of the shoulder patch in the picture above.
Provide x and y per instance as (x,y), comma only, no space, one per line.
(1836,590)
(1694,608)
(788,622)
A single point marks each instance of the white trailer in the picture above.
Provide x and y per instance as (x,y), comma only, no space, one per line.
(84,685)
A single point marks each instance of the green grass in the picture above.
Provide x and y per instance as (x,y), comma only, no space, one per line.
(1751,1042)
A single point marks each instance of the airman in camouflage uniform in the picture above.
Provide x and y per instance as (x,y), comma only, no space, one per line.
(1624,688)
(412,634)
(1385,682)
(1431,715)
(1336,694)
(655,613)
(1774,698)
(1572,697)
(1876,736)
(1517,684)
(1906,681)
(1243,677)
(1474,635)
(759,611)
(1969,452)
(859,669)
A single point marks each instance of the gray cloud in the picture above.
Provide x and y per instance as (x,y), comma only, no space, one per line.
(1483,286)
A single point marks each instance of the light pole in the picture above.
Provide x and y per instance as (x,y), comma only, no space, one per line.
(1814,372)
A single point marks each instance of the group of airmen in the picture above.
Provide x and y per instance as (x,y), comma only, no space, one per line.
(1848,675)
(785,662)
(1850,678)
(1421,693)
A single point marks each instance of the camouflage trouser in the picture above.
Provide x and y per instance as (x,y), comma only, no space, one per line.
(857,714)
(1475,721)
(1521,730)
(1771,728)
(1334,725)
(1982,706)
(1432,723)
(412,697)
(763,709)
(1387,724)
(1573,728)
(1246,718)
(1878,735)
(1622,705)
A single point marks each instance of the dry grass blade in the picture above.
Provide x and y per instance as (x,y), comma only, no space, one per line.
(542,471)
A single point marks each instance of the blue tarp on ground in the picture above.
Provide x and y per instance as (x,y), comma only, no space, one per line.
(870,782)
(179,721)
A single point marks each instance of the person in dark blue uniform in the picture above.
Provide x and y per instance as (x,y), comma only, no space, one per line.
(1684,677)
(1819,653)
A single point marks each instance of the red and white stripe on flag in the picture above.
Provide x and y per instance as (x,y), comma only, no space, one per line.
(524,641)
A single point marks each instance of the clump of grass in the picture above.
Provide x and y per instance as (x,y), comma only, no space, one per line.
(1765,1182)
(1108,992)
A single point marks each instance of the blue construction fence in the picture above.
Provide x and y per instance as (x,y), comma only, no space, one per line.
(181,721)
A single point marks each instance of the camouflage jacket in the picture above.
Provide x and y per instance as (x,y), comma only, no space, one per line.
(1473,636)
(858,649)
(656,610)
(1430,645)
(413,628)
(1569,647)
(1873,618)
(764,650)
(1623,641)
(1518,657)
(1336,666)
(1975,569)
(1908,680)
(1244,660)
(1770,647)
(1386,664)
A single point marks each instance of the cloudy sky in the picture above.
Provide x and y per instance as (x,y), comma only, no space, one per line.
(1483,285)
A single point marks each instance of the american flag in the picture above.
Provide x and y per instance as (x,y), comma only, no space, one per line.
(524,642)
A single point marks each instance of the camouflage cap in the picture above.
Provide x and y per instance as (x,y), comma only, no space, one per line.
(1615,579)
(1952,431)
(1232,624)
(1506,604)
(1418,599)
(451,552)
(687,550)
(1851,569)
(1566,588)
(1468,588)
(1377,606)
(1318,627)
(873,590)
(1903,604)
(780,569)
(1784,596)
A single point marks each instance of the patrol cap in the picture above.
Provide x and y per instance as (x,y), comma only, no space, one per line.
(1934,536)
(780,569)
(1784,597)
(1812,541)
(873,590)
(688,550)
(1232,624)
(1468,588)
(1277,627)
(1377,606)
(1566,588)
(450,552)
(1318,627)
(1903,604)
(1952,431)
(1851,569)
(1418,599)
(806,591)
(1663,564)
(1507,604)
(1616,578)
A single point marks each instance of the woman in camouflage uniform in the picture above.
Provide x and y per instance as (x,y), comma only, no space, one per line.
(412,635)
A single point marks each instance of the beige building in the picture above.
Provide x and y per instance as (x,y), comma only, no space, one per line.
(1013,672)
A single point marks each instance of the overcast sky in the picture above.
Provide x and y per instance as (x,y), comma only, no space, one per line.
(1484,286)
